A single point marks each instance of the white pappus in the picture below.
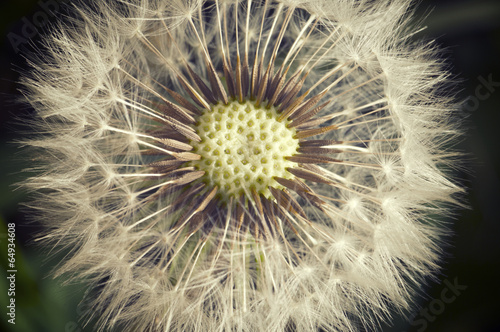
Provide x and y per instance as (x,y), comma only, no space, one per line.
(272,165)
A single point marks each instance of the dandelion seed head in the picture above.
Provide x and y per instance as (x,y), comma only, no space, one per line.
(242,165)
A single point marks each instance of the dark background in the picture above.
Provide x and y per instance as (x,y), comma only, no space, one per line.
(469,30)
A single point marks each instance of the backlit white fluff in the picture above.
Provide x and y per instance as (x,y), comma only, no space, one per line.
(341,246)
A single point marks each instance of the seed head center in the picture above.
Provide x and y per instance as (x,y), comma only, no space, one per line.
(243,147)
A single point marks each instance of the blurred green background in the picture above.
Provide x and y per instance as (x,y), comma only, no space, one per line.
(469,30)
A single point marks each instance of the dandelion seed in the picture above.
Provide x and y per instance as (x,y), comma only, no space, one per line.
(242,165)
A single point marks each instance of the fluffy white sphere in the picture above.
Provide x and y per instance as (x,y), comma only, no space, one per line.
(340,241)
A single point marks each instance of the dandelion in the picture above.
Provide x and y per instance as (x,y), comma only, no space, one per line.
(242,165)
